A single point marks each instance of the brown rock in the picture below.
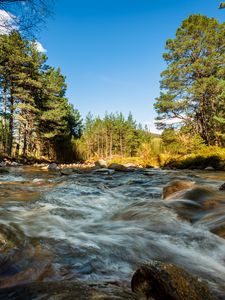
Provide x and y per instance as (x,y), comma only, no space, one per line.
(222,187)
(176,186)
(65,290)
(118,167)
(163,281)
(66,171)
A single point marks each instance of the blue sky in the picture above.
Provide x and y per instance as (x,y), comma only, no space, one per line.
(111,50)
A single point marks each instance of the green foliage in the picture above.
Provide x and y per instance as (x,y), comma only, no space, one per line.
(112,135)
(212,156)
(181,141)
(36,118)
(193,85)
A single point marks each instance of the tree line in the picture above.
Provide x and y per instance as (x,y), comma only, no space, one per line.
(112,135)
(35,116)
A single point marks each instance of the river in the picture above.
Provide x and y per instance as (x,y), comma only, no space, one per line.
(101,228)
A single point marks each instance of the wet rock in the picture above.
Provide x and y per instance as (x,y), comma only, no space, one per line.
(66,290)
(209,169)
(2,164)
(37,180)
(39,165)
(7,163)
(104,171)
(118,167)
(222,187)
(176,186)
(101,163)
(163,281)
(53,167)
(3,171)
(66,172)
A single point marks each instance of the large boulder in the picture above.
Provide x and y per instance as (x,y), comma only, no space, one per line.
(163,281)
(101,163)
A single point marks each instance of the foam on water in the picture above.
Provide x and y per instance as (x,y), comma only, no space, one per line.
(101,227)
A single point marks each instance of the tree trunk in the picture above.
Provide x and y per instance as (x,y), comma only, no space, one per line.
(11,126)
(4,131)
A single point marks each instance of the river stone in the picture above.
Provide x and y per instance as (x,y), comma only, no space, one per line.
(118,167)
(66,171)
(3,171)
(38,180)
(209,169)
(101,163)
(176,186)
(163,281)
(104,171)
(66,290)
(222,187)
(53,167)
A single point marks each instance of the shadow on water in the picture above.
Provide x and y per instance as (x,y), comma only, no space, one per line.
(101,228)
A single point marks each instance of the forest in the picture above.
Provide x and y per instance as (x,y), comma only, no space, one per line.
(37,120)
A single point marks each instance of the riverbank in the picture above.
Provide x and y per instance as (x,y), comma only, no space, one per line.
(208,158)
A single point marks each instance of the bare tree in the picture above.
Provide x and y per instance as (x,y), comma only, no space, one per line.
(25,15)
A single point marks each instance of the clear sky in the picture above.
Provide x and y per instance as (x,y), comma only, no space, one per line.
(111,50)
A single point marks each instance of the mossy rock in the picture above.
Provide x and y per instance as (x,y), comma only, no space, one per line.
(163,281)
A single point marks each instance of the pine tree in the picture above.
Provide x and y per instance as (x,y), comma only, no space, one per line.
(36,118)
(192,85)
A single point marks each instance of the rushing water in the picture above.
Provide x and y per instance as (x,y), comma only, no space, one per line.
(97,227)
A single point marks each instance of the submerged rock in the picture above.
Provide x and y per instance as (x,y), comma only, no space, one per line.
(222,187)
(66,171)
(163,281)
(104,171)
(119,167)
(66,290)
(3,171)
(176,186)
(197,204)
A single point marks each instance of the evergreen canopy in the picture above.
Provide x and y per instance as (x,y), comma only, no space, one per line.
(193,85)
